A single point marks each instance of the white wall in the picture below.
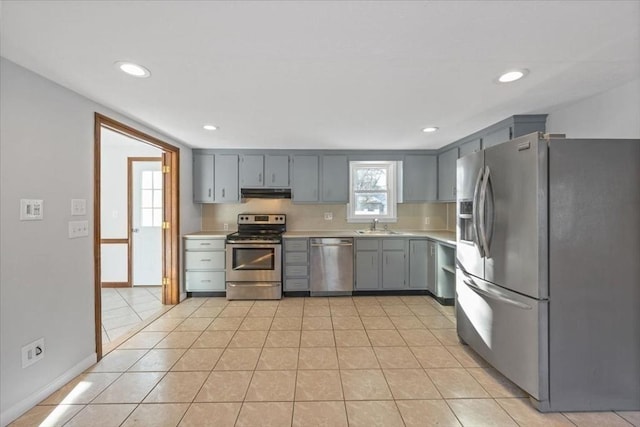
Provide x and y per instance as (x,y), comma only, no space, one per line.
(611,114)
(46,279)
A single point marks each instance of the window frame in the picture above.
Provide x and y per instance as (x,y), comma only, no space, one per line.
(392,190)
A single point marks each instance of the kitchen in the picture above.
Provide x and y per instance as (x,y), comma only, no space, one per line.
(582,108)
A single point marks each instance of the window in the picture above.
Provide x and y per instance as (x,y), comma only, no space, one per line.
(372,187)
(151,204)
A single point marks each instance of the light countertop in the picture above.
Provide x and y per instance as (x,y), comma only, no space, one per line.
(444,236)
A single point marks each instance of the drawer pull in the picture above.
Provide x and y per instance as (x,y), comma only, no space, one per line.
(205,244)
(206,260)
(205,281)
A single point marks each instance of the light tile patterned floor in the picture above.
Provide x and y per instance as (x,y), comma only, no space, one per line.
(361,361)
(123,309)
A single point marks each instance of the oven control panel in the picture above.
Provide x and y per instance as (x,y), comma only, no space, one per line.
(262,219)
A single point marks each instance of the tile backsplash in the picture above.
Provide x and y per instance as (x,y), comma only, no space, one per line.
(411,216)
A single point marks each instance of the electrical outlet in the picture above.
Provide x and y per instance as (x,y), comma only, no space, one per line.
(328,216)
(32,352)
(78,229)
(225,226)
(78,207)
(427,220)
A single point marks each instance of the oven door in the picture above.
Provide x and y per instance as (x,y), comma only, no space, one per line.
(247,262)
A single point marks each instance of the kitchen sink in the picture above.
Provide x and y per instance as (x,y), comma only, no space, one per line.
(377,232)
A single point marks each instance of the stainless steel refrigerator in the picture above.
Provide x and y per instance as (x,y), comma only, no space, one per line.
(548,268)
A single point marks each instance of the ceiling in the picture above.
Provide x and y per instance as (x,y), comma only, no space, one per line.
(326,74)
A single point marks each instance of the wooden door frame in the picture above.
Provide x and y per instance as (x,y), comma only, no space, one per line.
(130,161)
(171,214)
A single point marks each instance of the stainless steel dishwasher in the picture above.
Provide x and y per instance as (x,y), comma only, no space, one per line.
(331,266)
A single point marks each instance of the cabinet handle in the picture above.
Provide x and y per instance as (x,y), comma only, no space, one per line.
(205,281)
(206,260)
(273,178)
(223,192)
(260,177)
(386,259)
(209,192)
(205,244)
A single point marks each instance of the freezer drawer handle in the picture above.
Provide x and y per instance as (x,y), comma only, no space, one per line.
(496,297)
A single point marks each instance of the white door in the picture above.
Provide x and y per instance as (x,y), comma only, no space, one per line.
(146,223)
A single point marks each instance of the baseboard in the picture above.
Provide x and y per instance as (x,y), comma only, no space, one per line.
(24,405)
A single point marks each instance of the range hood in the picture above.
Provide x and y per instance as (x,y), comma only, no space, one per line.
(265,193)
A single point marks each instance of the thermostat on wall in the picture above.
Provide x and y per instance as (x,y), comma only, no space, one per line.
(31,209)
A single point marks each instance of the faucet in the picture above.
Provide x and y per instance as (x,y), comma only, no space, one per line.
(374,223)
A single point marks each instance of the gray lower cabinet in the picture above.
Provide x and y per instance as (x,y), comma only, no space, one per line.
(296,264)
(203,178)
(204,263)
(305,179)
(422,265)
(335,179)
(447,175)
(420,178)
(226,178)
(380,264)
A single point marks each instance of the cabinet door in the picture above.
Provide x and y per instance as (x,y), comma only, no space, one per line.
(203,178)
(276,171)
(226,178)
(420,178)
(431,267)
(447,175)
(367,276)
(469,147)
(251,171)
(304,187)
(393,269)
(496,137)
(335,179)
(418,263)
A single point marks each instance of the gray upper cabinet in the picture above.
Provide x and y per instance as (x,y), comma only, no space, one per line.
(257,170)
(251,170)
(447,175)
(276,171)
(203,178)
(469,147)
(305,179)
(335,179)
(226,178)
(497,137)
(420,178)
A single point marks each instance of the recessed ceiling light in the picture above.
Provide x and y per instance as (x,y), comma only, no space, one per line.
(430,129)
(132,69)
(210,127)
(512,76)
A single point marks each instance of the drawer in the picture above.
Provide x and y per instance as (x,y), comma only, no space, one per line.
(204,281)
(393,244)
(204,244)
(296,244)
(295,257)
(367,244)
(295,270)
(296,285)
(204,260)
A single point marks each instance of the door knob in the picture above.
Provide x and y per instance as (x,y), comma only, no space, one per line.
(135,230)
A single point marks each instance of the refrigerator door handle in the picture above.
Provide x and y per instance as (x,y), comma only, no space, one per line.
(482,207)
(495,296)
(474,214)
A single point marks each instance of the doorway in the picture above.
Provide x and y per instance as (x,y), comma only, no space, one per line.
(149,196)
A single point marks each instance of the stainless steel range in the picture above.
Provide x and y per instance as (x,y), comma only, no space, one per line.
(254,257)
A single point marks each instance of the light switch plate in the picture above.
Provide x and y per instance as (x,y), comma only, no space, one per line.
(78,229)
(78,207)
(31,209)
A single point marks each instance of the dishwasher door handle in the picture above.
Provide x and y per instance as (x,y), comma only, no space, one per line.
(321,245)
